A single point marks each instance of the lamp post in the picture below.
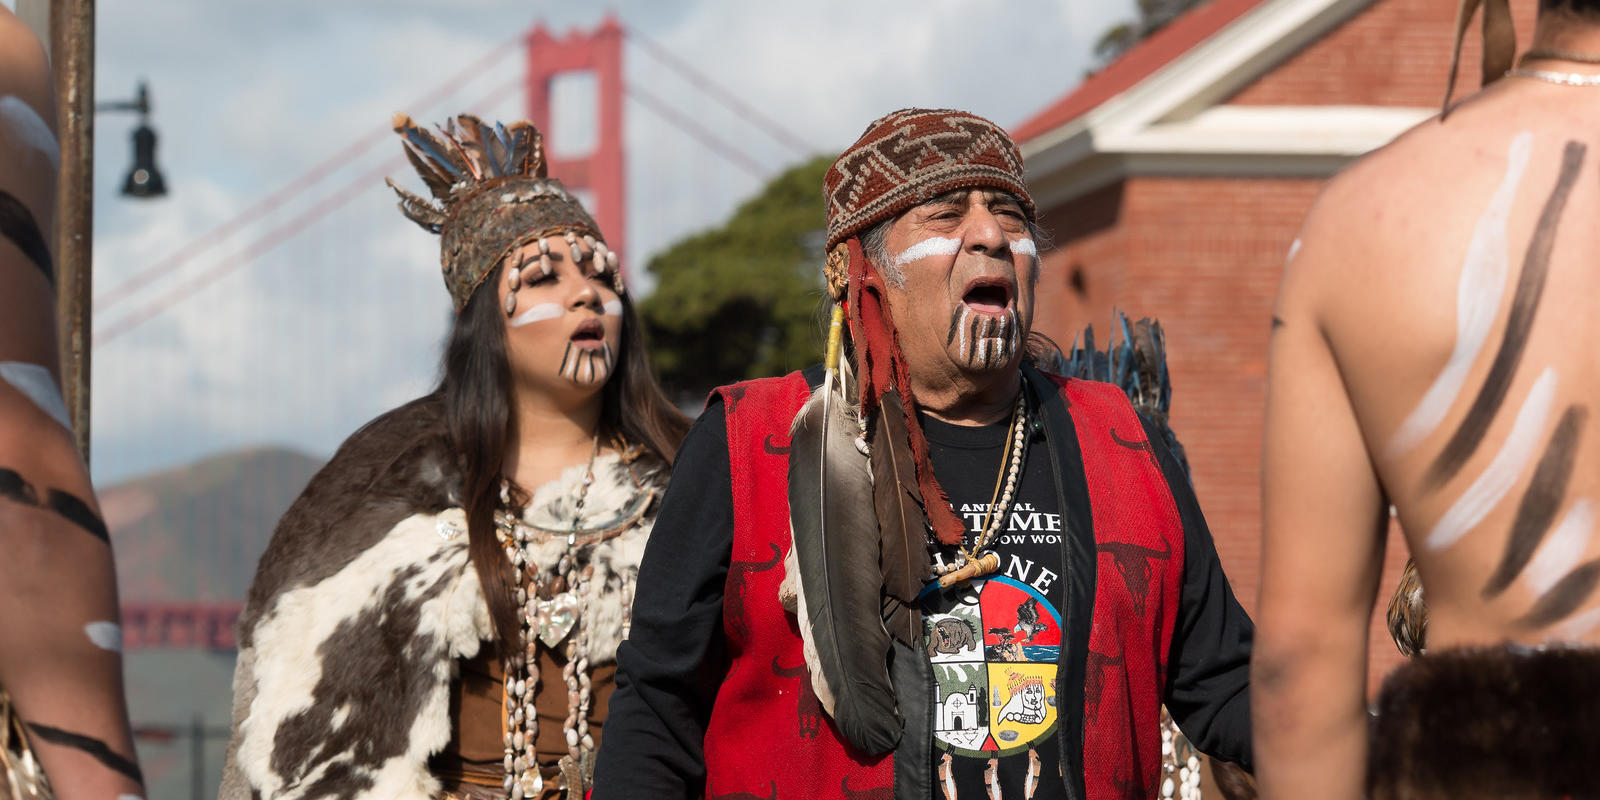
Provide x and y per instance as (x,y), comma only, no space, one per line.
(144,178)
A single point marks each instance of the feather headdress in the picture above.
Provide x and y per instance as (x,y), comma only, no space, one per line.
(490,193)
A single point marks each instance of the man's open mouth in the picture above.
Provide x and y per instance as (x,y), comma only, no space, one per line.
(988,295)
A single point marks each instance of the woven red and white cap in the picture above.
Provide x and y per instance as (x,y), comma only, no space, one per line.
(914,155)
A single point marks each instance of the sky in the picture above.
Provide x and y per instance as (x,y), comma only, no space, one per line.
(343,317)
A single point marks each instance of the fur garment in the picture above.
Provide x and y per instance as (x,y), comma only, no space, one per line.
(1498,722)
(366,600)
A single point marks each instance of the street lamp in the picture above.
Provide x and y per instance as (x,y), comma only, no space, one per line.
(144,178)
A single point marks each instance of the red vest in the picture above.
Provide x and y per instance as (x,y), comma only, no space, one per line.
(768,737)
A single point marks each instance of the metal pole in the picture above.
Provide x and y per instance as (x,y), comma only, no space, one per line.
(72,57)
(197,758)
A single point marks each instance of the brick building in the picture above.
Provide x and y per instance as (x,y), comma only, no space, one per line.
(1173,183)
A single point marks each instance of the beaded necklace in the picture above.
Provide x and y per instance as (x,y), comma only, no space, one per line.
(548,610)
(1559,78)
(979,560)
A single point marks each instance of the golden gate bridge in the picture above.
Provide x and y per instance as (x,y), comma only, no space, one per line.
(166,283)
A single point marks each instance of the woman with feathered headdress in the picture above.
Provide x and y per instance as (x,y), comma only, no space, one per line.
(438,613)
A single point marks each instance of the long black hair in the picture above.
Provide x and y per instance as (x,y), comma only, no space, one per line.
(477,393)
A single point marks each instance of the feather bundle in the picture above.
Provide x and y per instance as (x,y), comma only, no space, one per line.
(1137,365)
(883,369)
(464,154)
(902,523)
(834,527)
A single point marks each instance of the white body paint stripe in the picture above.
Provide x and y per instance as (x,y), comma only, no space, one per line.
(931,246)
(538,313)
(613,307)
(1025,247)
(30,127)
(36,383)
(1478,293)
(105,635)
(1561,551)
(1576,628)
(1502,473)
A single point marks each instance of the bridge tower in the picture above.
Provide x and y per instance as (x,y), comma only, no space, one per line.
(598,173)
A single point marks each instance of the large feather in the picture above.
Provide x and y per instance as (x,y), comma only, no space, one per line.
(426,156)
(497,146)
(835,534)
(466,132)
(418,209)
(438,180)
(902,523)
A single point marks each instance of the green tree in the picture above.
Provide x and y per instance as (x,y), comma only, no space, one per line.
(1153,16)
(742,300)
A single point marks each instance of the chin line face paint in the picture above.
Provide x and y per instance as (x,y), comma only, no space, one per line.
(586,366)
(983,341)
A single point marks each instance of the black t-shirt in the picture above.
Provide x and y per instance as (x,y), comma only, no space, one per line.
(994,641)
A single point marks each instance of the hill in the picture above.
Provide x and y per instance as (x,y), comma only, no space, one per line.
(196,532)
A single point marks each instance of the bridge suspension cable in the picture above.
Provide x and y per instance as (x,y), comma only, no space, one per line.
(249,254)
(294,188)
(705,84)
(270,240)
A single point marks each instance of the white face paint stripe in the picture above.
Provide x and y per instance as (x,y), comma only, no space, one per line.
(931,246)
(538,313)
(1561,551)
(105,635)
(1025,247)
(36,383)
(966,322)
(1502,473)
(1478,293)
(1576,628)
(613,307)
(30,127)
(1294,250)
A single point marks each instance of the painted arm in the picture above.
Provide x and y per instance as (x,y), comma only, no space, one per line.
(60,656)
(1322,549)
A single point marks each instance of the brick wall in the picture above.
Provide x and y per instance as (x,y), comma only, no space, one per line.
(1396,53)
(1203,256)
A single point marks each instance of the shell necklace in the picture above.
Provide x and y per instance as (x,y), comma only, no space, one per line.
(549,611)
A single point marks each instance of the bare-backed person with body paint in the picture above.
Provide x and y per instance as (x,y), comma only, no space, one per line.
(1432,349)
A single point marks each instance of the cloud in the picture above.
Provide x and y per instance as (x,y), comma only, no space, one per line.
(346,316)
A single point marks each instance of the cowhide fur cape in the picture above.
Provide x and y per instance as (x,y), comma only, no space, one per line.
(365,600)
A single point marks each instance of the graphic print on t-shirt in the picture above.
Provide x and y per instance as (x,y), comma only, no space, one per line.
(994,644)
